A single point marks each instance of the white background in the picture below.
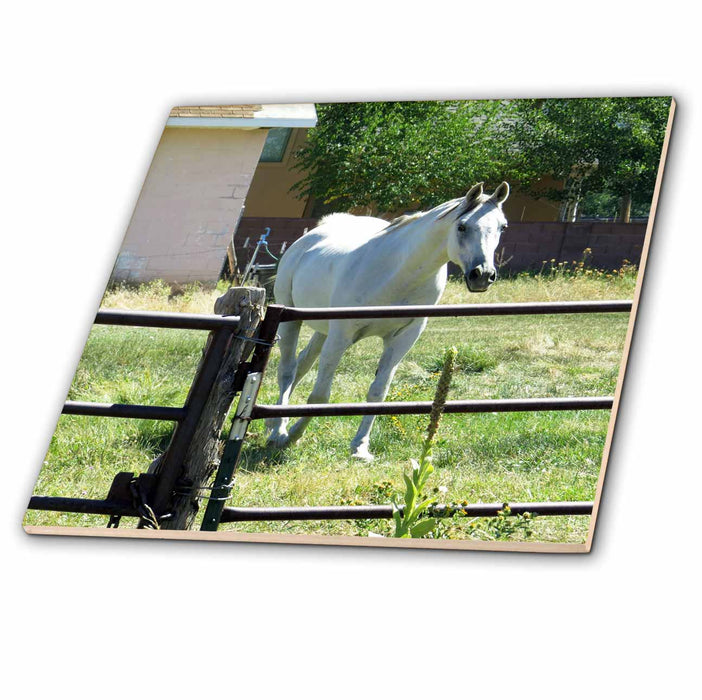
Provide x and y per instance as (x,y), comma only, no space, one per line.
(85,92)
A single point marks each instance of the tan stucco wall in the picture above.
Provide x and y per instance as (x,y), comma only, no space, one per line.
(522,207)
(189,205)
(269,193)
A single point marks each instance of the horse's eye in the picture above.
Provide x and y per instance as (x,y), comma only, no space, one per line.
(461,227)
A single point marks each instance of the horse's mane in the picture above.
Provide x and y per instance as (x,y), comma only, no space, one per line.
(441,210)
(393,225)
(401,221)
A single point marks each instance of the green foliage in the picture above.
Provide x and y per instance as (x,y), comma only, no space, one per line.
(382,491)
(609,147)
(402,155)
(399,156)
(605,205)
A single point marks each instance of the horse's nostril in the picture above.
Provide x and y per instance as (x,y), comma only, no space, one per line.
(492,277)
(474,274)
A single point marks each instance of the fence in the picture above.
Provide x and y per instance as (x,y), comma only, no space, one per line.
(164,497)
(165,494)
(523,246)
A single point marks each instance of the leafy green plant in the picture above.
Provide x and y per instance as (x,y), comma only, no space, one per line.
(409,520)
(504,525)
(382,491)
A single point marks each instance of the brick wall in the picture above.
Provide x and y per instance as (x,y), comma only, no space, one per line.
(527,245)
(524,245)
(283,230)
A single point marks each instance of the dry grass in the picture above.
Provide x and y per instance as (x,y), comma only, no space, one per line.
(158,296)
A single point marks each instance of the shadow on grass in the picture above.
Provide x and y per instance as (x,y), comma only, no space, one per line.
(259,457)
(153,436)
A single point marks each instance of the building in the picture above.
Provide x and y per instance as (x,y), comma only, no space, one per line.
(200,177)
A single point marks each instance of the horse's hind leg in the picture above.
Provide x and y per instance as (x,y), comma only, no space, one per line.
(289,333)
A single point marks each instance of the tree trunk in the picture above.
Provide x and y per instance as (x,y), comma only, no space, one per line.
(569,209)
(625,208)
(203,453)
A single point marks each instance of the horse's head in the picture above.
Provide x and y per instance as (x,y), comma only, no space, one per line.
(475,234)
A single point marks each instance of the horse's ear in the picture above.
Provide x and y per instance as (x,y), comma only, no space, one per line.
(471,199)
(500,194)
(474,195)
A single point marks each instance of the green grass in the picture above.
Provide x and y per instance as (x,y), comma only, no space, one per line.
(483,457)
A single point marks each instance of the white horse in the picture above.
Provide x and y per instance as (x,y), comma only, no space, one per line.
(363,261)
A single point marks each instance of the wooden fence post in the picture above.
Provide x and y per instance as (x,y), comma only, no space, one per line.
(202,453)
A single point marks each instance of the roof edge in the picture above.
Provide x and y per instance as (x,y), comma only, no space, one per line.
(270,115)
(234,123)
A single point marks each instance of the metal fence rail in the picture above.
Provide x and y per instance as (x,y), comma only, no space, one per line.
(405,408)
(455,310)
(223,328)
(165,319)
(152,319)
(87,506)
(123,410)
(475,510)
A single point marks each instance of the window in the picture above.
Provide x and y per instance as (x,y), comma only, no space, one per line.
(276,143)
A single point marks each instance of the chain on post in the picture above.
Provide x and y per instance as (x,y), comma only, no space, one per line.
(142,507)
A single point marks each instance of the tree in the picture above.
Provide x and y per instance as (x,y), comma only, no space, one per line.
(393,156)
(399,156)
(609,147)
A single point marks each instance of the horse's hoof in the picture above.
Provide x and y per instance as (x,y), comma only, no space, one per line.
(363,454)
(278,442)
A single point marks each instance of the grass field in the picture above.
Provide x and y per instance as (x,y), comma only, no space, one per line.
(478,458)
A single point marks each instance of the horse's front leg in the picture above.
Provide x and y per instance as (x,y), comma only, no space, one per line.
(287,369)
(396,346)
(334,347)
(308,357)
(290,372)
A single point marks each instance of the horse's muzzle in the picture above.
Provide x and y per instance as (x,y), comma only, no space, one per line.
(480,278)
